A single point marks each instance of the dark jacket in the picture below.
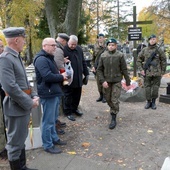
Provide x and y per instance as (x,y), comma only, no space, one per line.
(47,75)
(78,64)
(112,67)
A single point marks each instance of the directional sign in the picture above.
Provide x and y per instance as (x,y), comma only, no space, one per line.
(134,33)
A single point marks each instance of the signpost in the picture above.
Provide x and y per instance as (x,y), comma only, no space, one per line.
(134,33)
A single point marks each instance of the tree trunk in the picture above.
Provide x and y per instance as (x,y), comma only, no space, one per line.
(51,8)
(71,23)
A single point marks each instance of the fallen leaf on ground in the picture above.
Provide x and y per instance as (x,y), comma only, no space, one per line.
(85,144)
(100,154)
(150,131)
(120,161)
(72,153)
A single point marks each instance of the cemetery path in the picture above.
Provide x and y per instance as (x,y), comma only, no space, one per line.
(140,141)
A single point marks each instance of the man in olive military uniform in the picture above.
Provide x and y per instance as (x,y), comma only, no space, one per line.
(153,74)
(111,69)
(20,97)
(99,48)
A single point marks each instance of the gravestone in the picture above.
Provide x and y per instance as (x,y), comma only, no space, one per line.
(138,95)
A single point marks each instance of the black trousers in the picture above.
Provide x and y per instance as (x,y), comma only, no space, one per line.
(71,99)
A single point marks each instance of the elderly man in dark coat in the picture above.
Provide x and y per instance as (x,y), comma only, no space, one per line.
(72,93)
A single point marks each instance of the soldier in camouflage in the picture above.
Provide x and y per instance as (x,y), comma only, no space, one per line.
(99,48)
(152,76)
(111,69)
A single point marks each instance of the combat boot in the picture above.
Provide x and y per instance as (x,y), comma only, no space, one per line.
(100,98)
(15,165)
(103,100)
(148,104)
(23,161)
(113,121)
(153,104)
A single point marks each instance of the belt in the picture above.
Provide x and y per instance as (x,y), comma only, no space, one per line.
(27,91)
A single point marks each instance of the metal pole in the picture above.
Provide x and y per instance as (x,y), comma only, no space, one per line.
(97,17)
(134,43)
(118,20)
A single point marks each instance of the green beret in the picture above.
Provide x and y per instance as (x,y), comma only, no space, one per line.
(63,36)
(152,36)
(11,32)
(100,35)
(112,40)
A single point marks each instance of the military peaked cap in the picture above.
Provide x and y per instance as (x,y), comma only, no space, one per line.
(11,32)
(112,40)
(63,36)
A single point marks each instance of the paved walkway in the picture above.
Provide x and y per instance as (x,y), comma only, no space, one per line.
(46,161)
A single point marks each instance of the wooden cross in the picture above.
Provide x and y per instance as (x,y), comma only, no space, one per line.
(134,23)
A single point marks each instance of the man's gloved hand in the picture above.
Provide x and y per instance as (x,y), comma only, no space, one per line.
(85,80)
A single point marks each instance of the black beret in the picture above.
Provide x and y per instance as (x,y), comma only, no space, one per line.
(152,36)
(63,36)
(100,35)
(11,32)
(112,40)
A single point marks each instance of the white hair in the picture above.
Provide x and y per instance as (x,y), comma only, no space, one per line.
(73,38)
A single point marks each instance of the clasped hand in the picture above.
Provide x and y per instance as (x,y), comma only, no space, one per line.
(35,101)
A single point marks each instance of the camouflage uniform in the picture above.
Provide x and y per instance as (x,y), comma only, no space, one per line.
(153,74)
(112,67)
(98,50)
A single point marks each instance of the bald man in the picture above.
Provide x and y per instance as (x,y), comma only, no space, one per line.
(49,90)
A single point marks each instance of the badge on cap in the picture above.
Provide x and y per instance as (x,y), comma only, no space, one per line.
(112,40)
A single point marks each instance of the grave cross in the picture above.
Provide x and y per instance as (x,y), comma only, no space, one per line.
(134,23)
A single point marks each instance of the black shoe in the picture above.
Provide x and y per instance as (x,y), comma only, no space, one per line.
(26,168)
(148,104)
(103,100)
(61,124)
(53,150)
(60,142)
(99,99)
(153,104)
(71,117)
(78,113)
(113,122)
(60,131)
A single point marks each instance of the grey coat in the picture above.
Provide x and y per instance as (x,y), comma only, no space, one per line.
(59,56)
(13,79)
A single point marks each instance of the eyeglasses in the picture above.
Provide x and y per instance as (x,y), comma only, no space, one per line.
(53,45)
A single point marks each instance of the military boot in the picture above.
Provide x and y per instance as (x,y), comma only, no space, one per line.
(153,104)
(15,165)
(103,100)
(23,161)
(100,98)
(113,121)
(148,104)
